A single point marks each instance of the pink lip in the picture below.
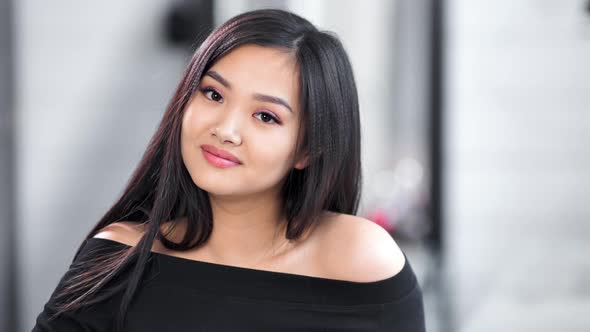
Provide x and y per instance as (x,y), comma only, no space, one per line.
(218,157)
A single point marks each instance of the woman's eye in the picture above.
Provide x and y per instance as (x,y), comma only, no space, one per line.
(267,117)
(212,94)
(215,96)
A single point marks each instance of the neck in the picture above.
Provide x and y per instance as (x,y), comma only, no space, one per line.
(247,230)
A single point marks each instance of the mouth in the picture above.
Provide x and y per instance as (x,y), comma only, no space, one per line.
(219,158)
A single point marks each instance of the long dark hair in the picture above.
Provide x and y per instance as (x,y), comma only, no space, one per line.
(161,188)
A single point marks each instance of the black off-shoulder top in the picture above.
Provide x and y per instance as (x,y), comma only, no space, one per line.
(181,294)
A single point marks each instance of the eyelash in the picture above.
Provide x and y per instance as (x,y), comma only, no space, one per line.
(209,89)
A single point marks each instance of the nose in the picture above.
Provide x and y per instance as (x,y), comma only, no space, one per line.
(228,127)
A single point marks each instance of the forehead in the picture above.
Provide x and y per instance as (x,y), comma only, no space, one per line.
(258,69)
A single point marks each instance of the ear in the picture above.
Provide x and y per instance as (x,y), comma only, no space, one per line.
(303,162)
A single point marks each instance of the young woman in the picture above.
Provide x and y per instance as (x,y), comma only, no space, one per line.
(241,214)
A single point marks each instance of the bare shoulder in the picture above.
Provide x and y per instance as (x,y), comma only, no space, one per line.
(356,249)
(130,232)
(126,232)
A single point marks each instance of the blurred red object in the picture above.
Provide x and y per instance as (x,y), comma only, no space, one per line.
(382,218)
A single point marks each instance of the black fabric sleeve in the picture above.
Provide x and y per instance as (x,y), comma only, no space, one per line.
(95,318)
(405,314)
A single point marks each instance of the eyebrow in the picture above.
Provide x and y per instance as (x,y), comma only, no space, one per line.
(258,96)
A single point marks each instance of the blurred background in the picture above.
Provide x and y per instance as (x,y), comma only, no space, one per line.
(475,118)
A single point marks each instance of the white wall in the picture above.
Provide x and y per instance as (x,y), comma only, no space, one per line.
(92,82)
(518,127)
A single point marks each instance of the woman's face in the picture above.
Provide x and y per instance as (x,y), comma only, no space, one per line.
(229,111)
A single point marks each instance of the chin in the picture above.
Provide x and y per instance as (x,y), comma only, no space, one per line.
(216,185)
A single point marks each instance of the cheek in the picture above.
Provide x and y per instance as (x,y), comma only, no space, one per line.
(193,122)
(192,128)
(272,152)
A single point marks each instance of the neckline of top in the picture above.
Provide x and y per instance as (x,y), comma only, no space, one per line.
(219,275)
